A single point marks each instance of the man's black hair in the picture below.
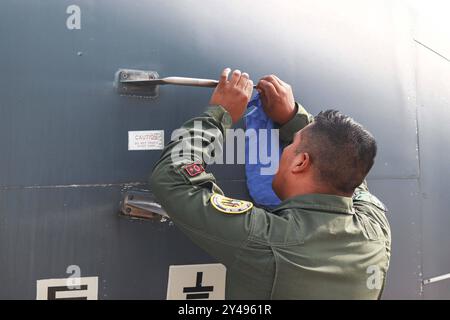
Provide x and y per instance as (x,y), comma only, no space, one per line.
(341,150)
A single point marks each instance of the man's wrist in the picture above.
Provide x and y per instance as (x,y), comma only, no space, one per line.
(220,114)
(300,119)
(291,116)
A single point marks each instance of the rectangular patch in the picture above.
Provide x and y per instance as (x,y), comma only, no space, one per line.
(194,169)
(146,140)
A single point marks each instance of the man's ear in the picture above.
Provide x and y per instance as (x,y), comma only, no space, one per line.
(301,162)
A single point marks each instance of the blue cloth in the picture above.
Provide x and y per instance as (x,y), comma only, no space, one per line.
(259,186)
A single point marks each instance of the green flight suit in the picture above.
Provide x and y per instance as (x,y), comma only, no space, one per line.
(313,246)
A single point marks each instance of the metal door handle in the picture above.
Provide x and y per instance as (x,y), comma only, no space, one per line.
(146,83)
(179,81)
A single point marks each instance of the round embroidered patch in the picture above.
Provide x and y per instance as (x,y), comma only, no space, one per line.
(229,205)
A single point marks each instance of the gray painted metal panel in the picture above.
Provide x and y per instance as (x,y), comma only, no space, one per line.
(437,291)
(402,198)
(60,111)
(58,227)
(433,91)
(81,226)
(62,124)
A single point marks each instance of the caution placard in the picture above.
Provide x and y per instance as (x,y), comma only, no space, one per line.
(146,140)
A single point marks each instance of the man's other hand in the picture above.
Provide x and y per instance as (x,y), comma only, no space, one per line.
(233,94)
(277,98)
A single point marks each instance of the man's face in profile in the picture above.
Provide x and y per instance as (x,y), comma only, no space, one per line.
(284,173)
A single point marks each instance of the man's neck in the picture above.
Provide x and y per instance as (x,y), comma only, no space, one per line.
(314,189)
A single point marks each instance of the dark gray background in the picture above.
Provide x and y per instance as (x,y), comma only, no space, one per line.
(64,130)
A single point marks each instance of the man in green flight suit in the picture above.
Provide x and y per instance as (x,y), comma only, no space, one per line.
(328,239)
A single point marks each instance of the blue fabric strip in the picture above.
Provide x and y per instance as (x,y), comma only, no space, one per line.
(259,186)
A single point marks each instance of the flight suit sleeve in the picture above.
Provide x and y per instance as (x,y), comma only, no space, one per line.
(365,201)
(185,189)
(372,213)
(374,210)
(298,122)
(363,195)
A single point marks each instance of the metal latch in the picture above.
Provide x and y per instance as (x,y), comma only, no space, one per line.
(142,204)
(134,83)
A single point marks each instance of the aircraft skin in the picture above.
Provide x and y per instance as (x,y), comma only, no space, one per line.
(71,144)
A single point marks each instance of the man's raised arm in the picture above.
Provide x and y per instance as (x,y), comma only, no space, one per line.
(189,194)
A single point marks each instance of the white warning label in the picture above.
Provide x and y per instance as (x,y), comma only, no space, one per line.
(85,288)
(146,140)
(197,281)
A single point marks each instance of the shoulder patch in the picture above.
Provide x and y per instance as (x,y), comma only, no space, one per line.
(194,169)
(229,205)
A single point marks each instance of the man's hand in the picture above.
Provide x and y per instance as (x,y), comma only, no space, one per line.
(234,94)
(277,98)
